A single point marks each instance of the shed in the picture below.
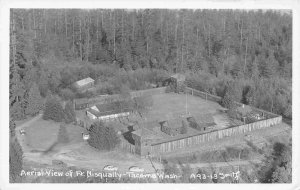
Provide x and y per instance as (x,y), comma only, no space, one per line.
(202,122)
(177,82)
(84,84)
(172,127)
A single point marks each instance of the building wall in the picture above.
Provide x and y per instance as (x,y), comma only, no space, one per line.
(81,106)
(84,87)
(113,116)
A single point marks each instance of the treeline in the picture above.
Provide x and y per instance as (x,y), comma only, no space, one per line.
(51,48)
(270,94)
(235,42)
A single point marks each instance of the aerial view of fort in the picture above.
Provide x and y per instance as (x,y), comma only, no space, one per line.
(150,96)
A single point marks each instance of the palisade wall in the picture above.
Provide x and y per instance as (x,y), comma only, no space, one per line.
(194,140)
(148,92)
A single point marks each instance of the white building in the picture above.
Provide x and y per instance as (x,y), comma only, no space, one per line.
(108,111)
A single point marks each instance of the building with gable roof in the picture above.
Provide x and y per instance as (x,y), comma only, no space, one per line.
(84,84)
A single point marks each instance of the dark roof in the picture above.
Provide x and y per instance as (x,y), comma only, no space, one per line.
(204,118)
(174,123)
(117,105)
(202,125)
(81,101)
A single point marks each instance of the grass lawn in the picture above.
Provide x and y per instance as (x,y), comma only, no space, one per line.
(42,134)
(172,105)
(20,122)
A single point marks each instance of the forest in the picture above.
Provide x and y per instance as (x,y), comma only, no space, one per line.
(249,51)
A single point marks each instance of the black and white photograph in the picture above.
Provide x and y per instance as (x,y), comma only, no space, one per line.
(142,95)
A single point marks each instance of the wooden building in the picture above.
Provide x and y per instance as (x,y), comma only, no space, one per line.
(177,81)
(202,122)
(173,127)
(109,111)
(142,141)
(84,84)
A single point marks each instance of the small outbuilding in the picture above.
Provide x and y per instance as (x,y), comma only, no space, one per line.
(202,122)
(84,84)
(177,82)
(173,127)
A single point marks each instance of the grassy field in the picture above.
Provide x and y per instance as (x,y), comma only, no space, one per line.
(41,134)
(172,105)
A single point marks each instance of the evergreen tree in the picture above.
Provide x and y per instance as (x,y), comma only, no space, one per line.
(267,66)
(53,109)
(277,167)
(12,128)
(103,137)
(70,115)
(16,95)
(34,101)
(15,161)
(15,156)
(233,93)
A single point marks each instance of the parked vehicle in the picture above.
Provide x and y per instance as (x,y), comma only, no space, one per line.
(85,136)
(110,168)
(22,131)
(136,169)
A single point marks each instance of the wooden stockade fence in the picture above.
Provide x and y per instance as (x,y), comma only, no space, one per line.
(159,148)
(212,136)
(203,95)
(214,98)
(148,92)
(125,145)
(194,140)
